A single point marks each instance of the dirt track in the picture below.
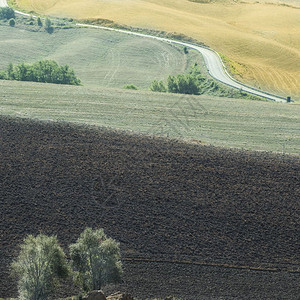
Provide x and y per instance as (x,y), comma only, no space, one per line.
(163,201)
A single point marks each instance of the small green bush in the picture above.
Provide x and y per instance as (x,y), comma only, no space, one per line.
(130,87)
(12,22)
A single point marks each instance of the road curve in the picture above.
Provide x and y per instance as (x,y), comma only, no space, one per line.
(212,60)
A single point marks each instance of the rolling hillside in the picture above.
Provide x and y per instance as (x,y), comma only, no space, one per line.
(99,58)
(260,40)
(231,216)
(247,124)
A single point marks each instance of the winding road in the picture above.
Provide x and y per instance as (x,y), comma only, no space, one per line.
(212,60)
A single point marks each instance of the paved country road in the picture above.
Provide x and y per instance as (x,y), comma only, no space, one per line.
(212,60)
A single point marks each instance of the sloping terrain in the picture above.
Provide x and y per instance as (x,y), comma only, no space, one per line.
(262,39)
(98,57)
(235,213)
(235,123)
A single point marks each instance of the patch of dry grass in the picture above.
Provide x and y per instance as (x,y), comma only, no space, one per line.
(263,37)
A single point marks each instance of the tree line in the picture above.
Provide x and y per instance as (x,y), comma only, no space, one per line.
(47,71)
(195,83)
(41,264)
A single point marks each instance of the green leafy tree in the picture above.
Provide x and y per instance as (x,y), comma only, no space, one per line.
(172,84)
(12,22)
(48,26)
(39,22)
(39,267)
(96,260)
(7,13)
(157,86)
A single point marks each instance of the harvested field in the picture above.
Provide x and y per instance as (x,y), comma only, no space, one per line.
(193,221)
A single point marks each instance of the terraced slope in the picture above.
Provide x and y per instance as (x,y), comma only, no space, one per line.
(235,213)
(261,40)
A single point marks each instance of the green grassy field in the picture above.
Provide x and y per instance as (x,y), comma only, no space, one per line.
(255,125)
(99,57)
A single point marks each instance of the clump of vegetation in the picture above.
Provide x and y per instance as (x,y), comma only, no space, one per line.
(158,86)
(12,22)
(130,87)
(39,267)
(39,22)
(7,13)
(47,71)
(195,83)
(96,260)
(48,26)
(42,263)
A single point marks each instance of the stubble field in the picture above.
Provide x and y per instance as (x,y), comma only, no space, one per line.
(260,40)
(193,221)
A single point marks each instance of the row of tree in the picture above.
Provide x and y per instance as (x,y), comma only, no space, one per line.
(42,71)
(194,83)
(41,264)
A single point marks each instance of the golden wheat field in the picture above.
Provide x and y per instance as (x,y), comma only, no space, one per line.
(261,41)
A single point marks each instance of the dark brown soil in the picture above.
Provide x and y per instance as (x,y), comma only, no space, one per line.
(163,200)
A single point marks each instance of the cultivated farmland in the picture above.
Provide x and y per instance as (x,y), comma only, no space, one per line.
(260,40)
(193,221)
(99,58)
(248,124)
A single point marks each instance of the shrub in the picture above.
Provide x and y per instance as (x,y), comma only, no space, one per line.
(130,87)
(39,266)
(12,22)
(7,13)
(95,259)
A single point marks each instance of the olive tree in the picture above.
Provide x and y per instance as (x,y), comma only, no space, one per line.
(96,260)
(39,266)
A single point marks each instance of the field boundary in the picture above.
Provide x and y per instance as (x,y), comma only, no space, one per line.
(208,264)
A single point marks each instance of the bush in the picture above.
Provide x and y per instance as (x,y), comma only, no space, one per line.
(96,260)
(42,71)
(12,22)
(130,87)
(39,266)
(7,13)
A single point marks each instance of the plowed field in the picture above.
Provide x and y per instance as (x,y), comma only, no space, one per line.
(193,221)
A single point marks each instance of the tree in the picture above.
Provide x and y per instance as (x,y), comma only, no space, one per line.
(12,22)
(7,13)
(95,259)
(39,266)
(157,86)
(39,22)
(48,25)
